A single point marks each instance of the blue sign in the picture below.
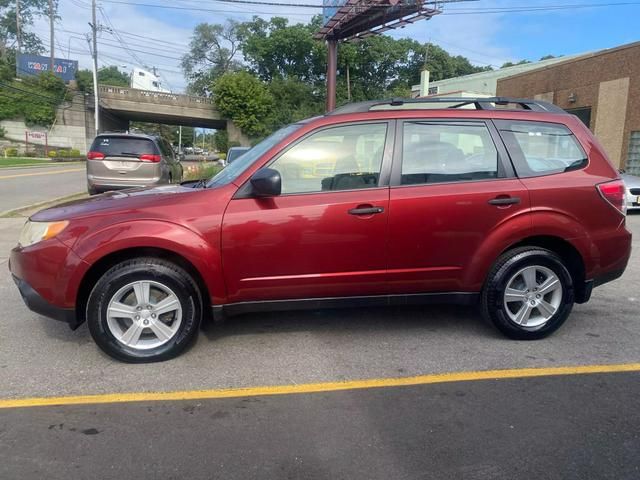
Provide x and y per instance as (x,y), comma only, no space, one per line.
(35,64)
(330,7)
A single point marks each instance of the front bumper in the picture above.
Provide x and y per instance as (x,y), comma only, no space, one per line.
(36,303)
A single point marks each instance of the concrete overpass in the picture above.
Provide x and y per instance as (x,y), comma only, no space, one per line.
(120,105)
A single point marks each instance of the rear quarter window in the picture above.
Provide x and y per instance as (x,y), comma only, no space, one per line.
(539,148)
(123,146)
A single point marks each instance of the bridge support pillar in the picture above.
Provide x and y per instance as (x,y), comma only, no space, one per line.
(236,135)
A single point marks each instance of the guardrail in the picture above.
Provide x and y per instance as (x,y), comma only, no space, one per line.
(148,95)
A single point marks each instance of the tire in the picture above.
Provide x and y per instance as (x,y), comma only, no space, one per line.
(535,305)
(127,296)
(92,190)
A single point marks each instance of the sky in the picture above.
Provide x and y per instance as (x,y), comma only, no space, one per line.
(159,37)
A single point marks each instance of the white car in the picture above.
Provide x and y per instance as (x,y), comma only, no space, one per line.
(632,184)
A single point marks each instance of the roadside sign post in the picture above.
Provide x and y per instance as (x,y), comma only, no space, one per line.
(36,136)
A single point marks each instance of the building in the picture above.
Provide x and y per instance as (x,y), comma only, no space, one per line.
(480,84)
(601,88)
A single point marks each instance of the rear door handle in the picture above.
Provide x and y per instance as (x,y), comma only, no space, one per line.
(504,201)
(366,210)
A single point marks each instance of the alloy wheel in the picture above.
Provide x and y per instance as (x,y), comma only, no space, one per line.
(533,295)
(144,314)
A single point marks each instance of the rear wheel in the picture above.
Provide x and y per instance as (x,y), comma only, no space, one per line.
(528,294)
(144,310)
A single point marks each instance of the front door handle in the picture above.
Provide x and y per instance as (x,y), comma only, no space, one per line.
(504,201)
(366,210)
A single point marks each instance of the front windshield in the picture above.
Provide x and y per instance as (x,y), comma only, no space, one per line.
(235,169)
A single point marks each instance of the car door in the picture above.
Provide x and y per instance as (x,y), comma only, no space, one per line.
(326,234)
(452,186)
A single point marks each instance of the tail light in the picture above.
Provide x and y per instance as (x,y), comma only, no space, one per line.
(149,157)
(95,155)
(614,192)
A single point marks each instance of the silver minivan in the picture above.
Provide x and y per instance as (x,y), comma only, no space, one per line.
(123,160)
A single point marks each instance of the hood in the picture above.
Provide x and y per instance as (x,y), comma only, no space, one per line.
(630,181)
(115,200)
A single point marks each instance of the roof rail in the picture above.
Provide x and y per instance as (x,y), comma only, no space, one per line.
(489,103)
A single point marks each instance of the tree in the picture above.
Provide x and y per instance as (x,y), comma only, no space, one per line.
(511,64)
(107,75)
(30,42)
(211,54)
(274,49)
(547,57)
(246,100)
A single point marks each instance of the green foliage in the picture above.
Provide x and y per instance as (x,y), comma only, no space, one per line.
(511,64)
(547,57)
(295,99)
(107,76)
(30,42)
(11,152)
(292,65)
(52,154)
(222,156)
(33,98)
(3,132)
(246,100)
(211,53)
(274,49)
(221,141)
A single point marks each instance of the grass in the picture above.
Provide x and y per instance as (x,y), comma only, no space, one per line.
(204,170)
(22,162)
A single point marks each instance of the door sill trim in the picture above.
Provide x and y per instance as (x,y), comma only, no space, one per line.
(458,298)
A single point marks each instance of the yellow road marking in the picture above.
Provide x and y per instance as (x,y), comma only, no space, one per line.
(316,387)
(42,173)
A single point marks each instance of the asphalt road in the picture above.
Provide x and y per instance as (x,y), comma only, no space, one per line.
(563,427)
(574,427)
(21,187)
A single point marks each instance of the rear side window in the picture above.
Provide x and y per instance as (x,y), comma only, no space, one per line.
(447,152)
(123,146)
(539,148)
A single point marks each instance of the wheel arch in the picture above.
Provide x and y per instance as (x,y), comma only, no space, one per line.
(567,252)
(100,267)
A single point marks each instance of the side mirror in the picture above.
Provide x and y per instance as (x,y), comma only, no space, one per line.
(266,182)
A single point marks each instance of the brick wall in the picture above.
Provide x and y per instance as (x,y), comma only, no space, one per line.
(610,76)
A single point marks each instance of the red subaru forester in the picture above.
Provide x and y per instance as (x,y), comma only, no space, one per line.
(505,203)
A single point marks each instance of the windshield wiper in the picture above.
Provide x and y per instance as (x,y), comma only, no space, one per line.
(202,183)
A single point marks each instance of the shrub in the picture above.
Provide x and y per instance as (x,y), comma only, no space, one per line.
(52,154)
(11,152)
(222,156)
(3,132)
(75,152)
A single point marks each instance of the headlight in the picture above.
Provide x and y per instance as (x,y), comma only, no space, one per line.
(34,232)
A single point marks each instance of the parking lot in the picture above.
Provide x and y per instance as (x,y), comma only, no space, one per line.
(574,426)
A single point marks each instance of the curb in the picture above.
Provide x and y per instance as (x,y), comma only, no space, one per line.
(16,211)
(39,165)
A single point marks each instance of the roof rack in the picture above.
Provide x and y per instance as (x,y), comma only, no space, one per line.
(489,103)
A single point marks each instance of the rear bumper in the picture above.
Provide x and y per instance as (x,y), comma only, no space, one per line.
(34,301)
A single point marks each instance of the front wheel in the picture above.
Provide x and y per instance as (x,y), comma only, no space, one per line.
(144,310)
(528,294)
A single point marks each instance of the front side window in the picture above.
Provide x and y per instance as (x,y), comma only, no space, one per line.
(539,148)
(337,158)
(234,170)
(447,152)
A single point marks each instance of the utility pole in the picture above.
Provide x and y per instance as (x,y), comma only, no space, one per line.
(18,33)
(180,140)
(94,51)
(332,67)
(52,16)
(348,85)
